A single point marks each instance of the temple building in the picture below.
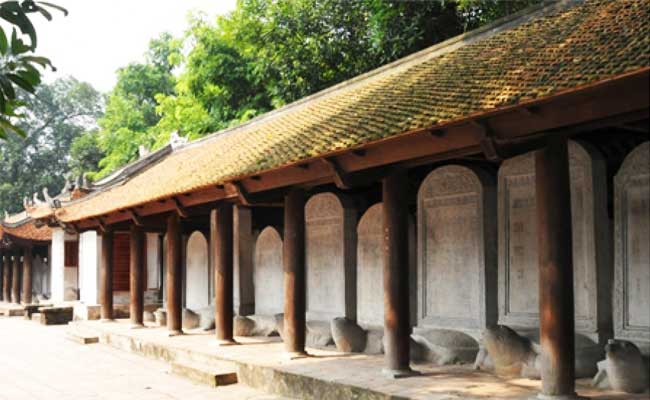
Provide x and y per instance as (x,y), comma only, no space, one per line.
(498,179)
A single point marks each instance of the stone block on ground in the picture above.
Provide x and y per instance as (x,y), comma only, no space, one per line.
(210,376)
(348,336)
(374,341)
(265,325)
(446,346)
(510,354)
(206,318)
(148,316)
(624,369)
(161,317)
(56,315)
(243,326)
(279,324)
(319,334)
(587,353)
(190,319)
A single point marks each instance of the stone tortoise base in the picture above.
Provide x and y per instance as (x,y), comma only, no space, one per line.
(260,362)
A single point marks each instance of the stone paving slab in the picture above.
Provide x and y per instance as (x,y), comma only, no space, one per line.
(327,374)
(38,363)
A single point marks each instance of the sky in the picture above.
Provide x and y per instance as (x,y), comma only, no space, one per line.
(100,36)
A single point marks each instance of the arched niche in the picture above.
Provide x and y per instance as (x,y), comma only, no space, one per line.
(632,253)
(518,257)
(268,274)
(457,261)
(197,282)
(330,257)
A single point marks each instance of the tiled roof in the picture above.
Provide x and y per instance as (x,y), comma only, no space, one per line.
(27,231)
(543,53)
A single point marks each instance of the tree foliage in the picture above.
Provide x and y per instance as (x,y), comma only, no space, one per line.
(266,54)
(58,114)
(19,66)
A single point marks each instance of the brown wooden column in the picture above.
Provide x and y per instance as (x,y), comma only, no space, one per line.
(15,281)
(397,329)
(27,275)
(106,277)
(8,272)
(136,275)
(2,277)
(552,184)
(174,276)
(293,260)
(221,238)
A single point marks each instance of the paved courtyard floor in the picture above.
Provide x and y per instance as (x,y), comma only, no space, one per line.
(38,362)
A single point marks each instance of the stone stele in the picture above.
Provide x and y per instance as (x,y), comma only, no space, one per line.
(518,257)
(457,260)
(268,275)
(632,257)
(330,257)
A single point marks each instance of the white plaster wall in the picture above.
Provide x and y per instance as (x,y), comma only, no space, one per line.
(197,277)
(57,277)
(89,259)
(153,261)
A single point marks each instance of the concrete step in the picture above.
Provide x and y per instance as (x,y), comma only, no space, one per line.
(36,317)
(210,375)
(81,338)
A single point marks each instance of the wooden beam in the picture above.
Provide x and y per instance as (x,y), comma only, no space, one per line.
(179,207)
(135,217)
(488,139)
(242,193)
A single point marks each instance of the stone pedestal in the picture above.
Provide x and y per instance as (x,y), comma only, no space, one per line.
(268,275)
(457,284)
(518,240)
(330,257)
(632,254)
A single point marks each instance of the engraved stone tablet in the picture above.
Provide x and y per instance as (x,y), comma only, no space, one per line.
(197,291)
(456,250)
(330,257)
(370,267)
(632,243)
(518,257)
(268,275)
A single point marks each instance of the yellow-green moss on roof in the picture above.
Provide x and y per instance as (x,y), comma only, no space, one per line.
(551,51)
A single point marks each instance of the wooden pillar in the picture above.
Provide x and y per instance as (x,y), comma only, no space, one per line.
(15,281)
(555,252)
(27,275)
(8,272)
(106,277)
(2,277)
(397,329)
(174,276)
(136,275)
(293,260)
(221,238)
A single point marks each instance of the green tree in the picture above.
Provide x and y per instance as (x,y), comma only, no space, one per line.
(131,105)
(19,66)
(59,113)
(85,155)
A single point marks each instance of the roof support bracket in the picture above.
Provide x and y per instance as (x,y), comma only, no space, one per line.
(341,178)
(135,217)
(242,193)
(488,140)
(180,208)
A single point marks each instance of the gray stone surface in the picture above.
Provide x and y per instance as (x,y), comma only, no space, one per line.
(370,284)
(319,334)
(206,318)
(161,317)
(243,326)
(624,368)
(348,336)
(197,277)
(268,274)
(518,260)
(190,319)
(330,257)
(374,341)
(632,254)
(457,283)
(509,353)
(265,325)
(445,346)
(148,316)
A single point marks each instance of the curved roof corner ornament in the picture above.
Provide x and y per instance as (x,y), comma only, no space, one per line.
(48,199)
(176,140)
